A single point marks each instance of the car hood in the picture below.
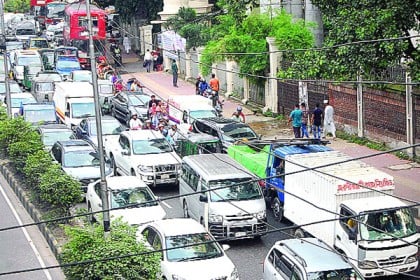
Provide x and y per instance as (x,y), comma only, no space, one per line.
(156,159)
(86,172)
(217,268)
(231,208)
(140,215)
(140,110)
(106,138)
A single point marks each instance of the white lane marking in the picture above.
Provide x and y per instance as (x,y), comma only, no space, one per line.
(166,204)
(25,232)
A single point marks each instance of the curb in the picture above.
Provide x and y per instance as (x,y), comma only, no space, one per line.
(31,209)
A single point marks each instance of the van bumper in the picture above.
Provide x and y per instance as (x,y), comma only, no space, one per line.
(162,179)
(390,270)
(238,231)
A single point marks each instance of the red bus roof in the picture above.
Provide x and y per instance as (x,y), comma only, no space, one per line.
(40,2)
(80,9)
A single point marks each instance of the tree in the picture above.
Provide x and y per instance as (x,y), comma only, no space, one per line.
(145,9)
(17,6)
(88,243)
(349,21)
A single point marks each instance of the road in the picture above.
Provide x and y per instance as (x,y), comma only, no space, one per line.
(22,248)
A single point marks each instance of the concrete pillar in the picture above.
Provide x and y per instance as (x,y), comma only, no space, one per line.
(229,78)
(199,51)
(246,90)
(313,14)
(303,93)
(410,115)
(296,9)
(271,96)
(147,37)
(187,65)
(360,111)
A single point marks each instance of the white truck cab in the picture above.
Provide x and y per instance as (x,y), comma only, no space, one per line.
(147,155)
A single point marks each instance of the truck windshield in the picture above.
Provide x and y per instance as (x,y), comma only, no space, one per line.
(83,110)
(124,197)
(70,64)
(44,87)
(151,146)
(342,274)
(387,225)
(199,114)
(40,44)
(29,60)
(234,189)
(36,116)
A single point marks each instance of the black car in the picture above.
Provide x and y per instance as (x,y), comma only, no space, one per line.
(125,103)
(227,130)
(86,130)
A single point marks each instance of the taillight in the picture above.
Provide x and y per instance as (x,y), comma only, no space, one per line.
(191,128)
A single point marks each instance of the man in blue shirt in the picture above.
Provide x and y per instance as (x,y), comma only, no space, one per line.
(296,119)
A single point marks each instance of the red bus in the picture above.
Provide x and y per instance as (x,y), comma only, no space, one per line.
(38,8)
(76,34)
(54,12)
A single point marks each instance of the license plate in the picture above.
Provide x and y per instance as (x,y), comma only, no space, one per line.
(164,176)
(240,234)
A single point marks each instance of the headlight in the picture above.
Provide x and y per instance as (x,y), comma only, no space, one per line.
(234,275)
(176,277)
(144,168)
(261,215)
(367,265)
(411,259)
(215,219)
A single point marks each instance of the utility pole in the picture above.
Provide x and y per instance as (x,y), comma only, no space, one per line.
(6,66)
(104,188)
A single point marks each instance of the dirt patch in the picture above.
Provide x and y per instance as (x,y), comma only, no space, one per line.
(272,129)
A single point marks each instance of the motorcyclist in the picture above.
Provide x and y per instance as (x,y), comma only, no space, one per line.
(116,54)
(240,113)
(203,86)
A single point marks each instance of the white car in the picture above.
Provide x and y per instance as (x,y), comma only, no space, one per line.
(189,251)
(147,155)
(22,58)
(125,191)
(306,259)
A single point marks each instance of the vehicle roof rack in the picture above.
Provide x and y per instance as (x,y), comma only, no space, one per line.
(288,142)
(299,258)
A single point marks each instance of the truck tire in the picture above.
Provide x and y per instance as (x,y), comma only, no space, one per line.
(300,233)
(277,208)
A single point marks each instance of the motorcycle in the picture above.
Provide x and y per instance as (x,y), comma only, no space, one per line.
(216,103)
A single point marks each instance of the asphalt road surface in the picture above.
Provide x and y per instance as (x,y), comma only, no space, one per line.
(22,248)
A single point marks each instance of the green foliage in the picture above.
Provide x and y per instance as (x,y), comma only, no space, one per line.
(17,6)
(3,113)
(362,141)
(349,21)
(28,144)
(237,8)
(36,165)
(11,131)
(131,9)
(59,189)
(88,243)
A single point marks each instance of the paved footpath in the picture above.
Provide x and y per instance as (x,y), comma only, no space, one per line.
(406,174)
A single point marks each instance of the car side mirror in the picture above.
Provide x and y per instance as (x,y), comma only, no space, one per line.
(203,198)
(125,152)
(67,114)
(225,247)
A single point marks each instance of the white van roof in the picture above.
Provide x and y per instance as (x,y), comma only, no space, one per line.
(74,89)
(195,101)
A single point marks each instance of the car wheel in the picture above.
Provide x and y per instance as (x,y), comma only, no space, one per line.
(277,208)
(185,210)
(114,166)
(91,217)
(299,233)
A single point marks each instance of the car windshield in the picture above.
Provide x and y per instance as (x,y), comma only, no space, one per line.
(17,102)
(29,60)
(234,189)
(387,225)
(126,197)
(36,116)
(138,100)
(83,110)
(80,159)
(82,77)
(108,128)
(199,114)
(52,77)
(239,132)
(151,146)
(25,31)
(44,87)
(341,274)
(201,247)
(40,44)
(13,88)
(68,64)
(50,137)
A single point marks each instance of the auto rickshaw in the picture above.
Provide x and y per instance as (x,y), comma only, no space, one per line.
(47,57)
(29,73)
(197,143)
(106,93)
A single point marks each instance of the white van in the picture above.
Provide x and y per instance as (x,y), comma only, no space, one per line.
(220,194)
(184,109)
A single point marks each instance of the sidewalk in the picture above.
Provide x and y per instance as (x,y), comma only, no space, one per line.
(405,173)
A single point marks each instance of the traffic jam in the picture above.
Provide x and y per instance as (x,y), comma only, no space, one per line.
(230,182)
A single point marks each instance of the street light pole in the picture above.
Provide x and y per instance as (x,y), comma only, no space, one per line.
(104,189)
(6,66)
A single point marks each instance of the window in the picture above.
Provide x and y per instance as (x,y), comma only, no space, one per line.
(282,264)
(124,143)
(348,224)
(98,189)
(149,234)
(190,176)
(296,275)
(56,151)
(83,21)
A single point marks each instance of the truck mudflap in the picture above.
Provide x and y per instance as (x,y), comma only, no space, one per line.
(238,231)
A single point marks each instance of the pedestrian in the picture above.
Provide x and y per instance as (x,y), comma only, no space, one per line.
(329,126)
(147,125)
(147,60)
(305,120)
(316,121)
(296,119)
(127,44)
(174,68)
(197,85)
(135,123)
(236,117)
(240,113)
(214,83)
(203,86)
(152,115)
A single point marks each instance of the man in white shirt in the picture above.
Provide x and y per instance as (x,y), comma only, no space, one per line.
(148,60)
(135,123)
